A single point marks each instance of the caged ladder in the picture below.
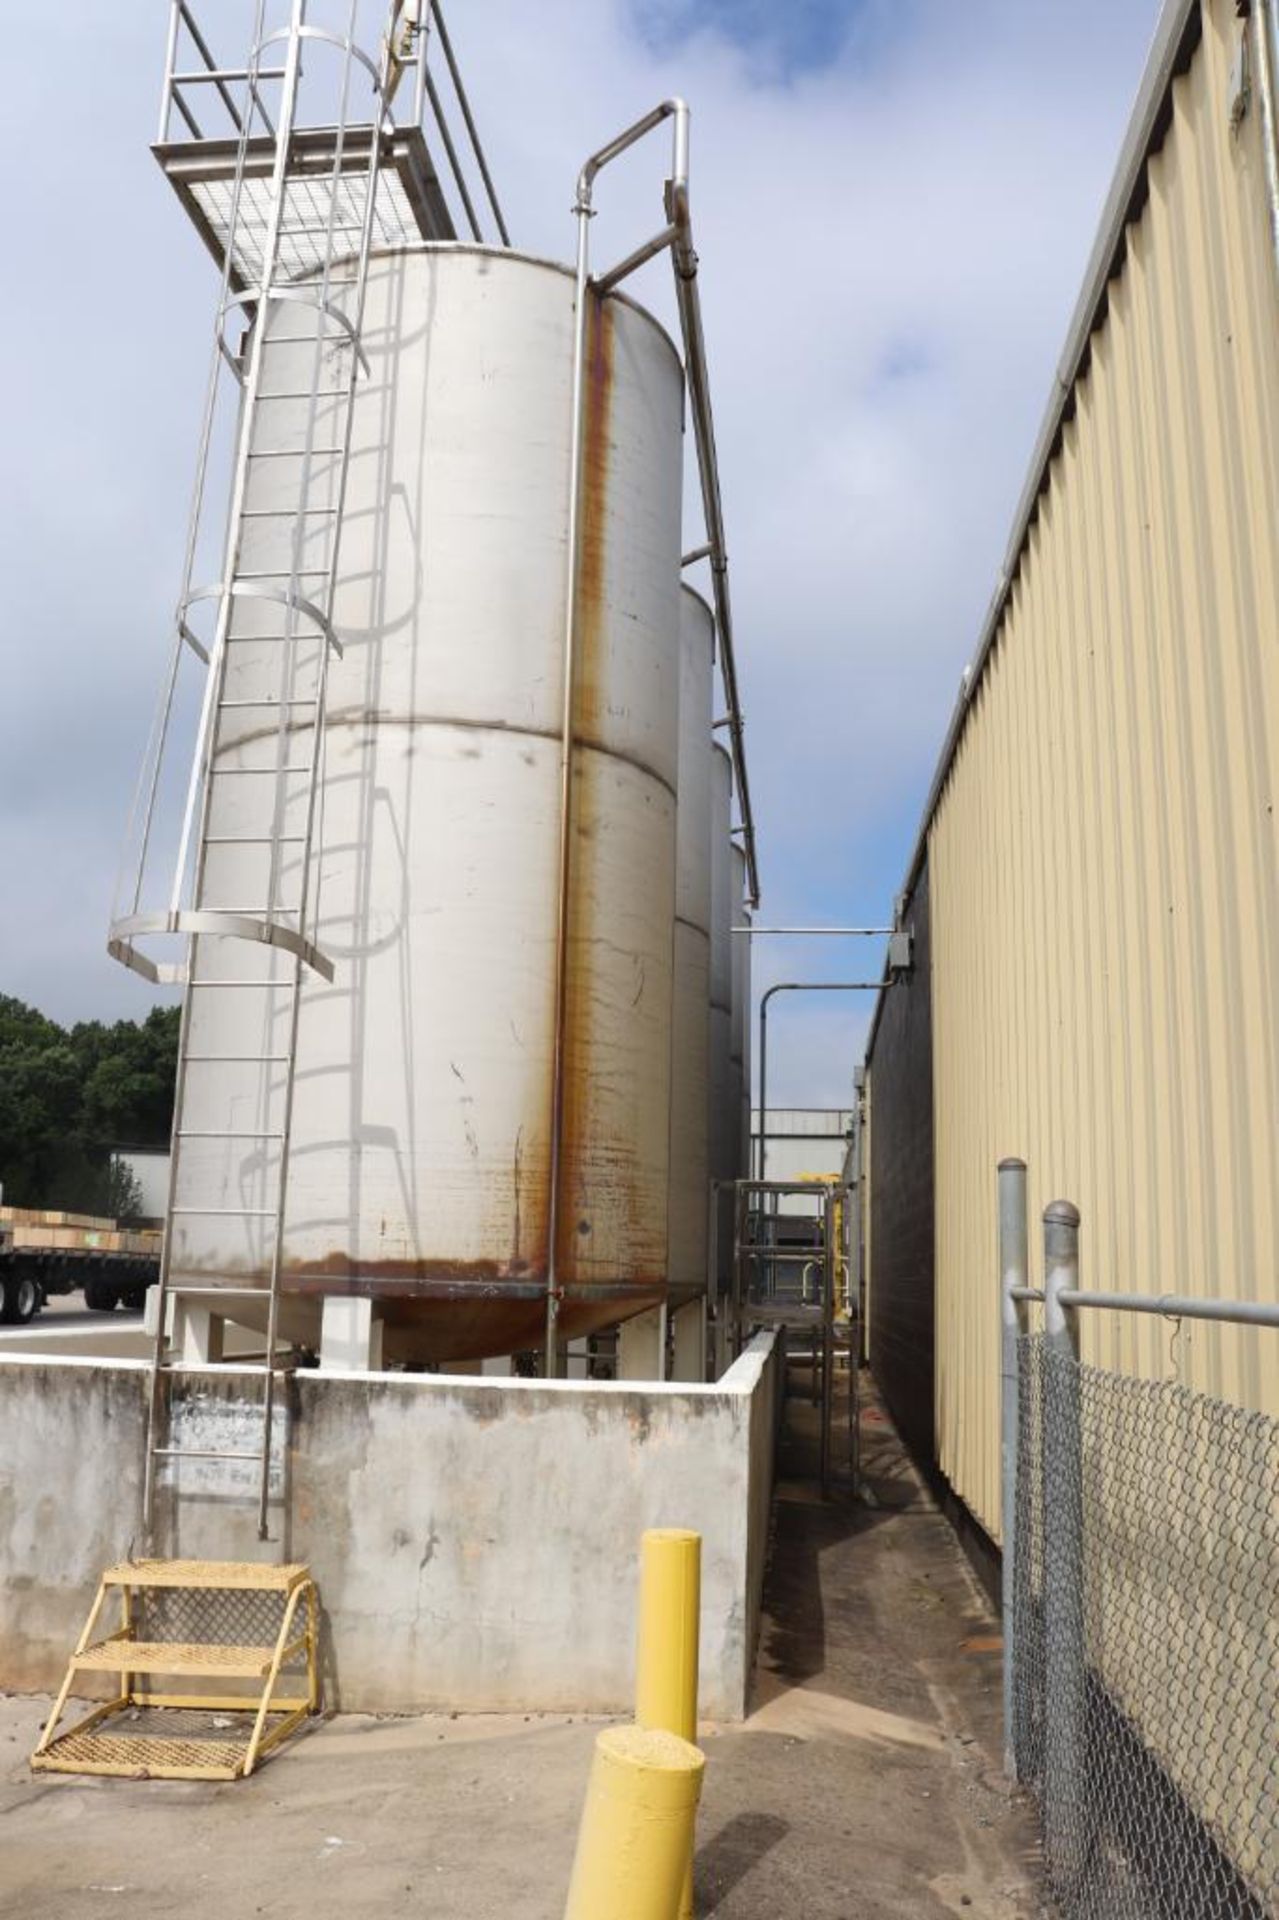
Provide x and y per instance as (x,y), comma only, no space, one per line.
(292,211)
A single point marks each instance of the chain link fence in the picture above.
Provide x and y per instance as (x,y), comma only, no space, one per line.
(1145,1677)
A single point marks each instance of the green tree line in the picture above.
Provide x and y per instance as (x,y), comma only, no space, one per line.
(70,1094)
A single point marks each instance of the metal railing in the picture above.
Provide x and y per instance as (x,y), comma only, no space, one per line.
(787,1250)
(199,91)
(1140,1574)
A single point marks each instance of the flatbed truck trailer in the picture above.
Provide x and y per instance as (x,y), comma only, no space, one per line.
(46,1254)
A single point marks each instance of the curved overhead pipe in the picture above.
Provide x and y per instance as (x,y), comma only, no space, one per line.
(792,986)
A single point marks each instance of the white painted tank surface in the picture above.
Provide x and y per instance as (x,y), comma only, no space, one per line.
(690,1020)
(741,1049)
(420,1165)
(723,1118)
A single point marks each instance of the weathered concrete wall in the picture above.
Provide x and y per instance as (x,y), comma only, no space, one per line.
(765,1422)
(475,1540)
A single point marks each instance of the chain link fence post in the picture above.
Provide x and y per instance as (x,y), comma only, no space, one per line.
(1065,1776)
(1013,1261)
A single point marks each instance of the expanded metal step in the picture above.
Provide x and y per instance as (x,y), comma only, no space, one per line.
(160,1656)
(245,1575)
(144,1756)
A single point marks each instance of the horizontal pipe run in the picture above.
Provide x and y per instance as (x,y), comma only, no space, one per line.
(1177,1306)
(847,933)
(1026,1293)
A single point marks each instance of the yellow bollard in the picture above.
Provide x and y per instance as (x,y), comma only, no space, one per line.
(666,1654)
(636,1836)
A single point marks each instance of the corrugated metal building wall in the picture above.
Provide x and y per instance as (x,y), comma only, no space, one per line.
(900,1159)
(1101,842)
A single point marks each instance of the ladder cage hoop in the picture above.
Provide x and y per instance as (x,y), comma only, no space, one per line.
(280,203)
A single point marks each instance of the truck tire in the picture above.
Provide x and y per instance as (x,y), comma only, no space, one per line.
(100,1296)
(21,1299)
(133,1299)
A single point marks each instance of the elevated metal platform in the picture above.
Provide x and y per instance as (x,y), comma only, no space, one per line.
(323,169)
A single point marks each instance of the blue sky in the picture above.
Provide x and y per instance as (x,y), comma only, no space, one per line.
(779,42)
(894,205)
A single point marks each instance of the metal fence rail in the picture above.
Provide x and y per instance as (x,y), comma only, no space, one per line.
(1141,1618)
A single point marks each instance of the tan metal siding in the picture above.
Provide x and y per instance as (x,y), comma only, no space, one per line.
(1104,856)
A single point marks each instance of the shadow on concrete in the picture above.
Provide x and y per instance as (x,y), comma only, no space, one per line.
(805,1528)
(738,1847)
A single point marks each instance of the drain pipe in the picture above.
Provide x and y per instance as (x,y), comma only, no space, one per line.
(684,258)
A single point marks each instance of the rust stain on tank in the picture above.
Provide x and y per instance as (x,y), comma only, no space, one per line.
(597,455)
(572,1252)
(598,1176)
(424,1270)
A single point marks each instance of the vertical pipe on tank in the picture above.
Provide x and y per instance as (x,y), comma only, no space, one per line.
(723,1113)
(564,878)
(741,980)
(690,1017)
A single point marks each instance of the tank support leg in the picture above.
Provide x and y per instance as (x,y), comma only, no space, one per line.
(350,1336)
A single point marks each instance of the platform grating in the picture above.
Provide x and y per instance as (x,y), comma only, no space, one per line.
(145,1756)
(176,1656)
(243,1574)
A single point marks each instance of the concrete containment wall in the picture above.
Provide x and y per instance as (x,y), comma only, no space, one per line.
(475,1541)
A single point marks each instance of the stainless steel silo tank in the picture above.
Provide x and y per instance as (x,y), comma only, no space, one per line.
(420,1163)
(741,1047)
(690,1020)
(723,1118)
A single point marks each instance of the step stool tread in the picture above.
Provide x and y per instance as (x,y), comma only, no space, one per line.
(245,1575)
(143,1756)
(171,1656)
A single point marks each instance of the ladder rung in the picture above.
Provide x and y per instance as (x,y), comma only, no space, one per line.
(307,393)
(292,453)
(237,1059)
(299,700)
(284,513)
(308,232)
(255,840)
(218,1293)
(228,1133)
(268,772)
(285,984)
(202,1453)
(231,1213)
(283,573)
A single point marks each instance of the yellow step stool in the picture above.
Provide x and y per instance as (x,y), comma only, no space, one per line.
(209,1621)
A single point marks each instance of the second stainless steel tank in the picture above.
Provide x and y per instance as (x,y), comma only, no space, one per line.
(690,1020)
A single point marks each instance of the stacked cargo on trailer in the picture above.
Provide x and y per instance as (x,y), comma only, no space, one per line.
(45,1252)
